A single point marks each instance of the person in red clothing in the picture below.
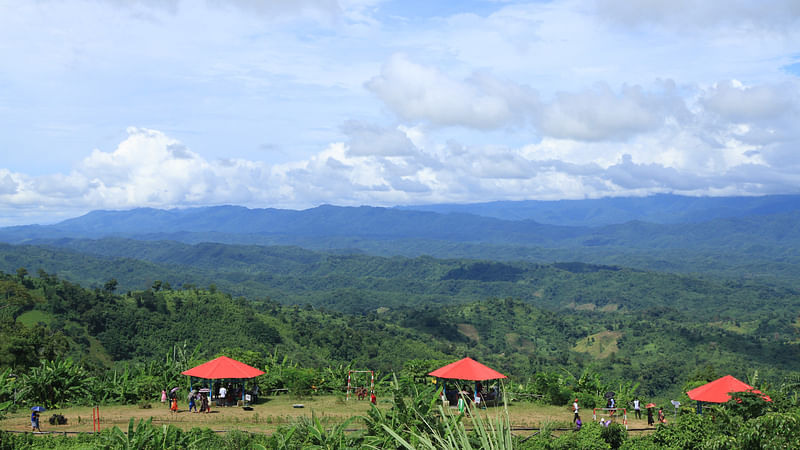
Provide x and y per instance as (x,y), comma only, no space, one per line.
(373,399)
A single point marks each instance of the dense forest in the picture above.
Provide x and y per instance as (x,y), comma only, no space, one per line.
(656,345)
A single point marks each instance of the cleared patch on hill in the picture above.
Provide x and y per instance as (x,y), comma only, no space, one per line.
(469,331)
(519,342)
(31,318)
(599,345)
(737,327)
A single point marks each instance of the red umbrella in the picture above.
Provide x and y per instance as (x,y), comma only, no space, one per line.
(650,405)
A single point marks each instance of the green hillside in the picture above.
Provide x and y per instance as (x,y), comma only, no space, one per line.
(361,283)
(658,346)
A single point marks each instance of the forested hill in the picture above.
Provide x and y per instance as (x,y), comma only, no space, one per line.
(46,317)
(764,246)
(363,283)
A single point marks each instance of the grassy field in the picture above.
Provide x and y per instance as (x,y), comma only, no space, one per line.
(265,417)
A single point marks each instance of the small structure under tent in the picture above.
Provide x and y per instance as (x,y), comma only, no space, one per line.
(223,370)
(468,369)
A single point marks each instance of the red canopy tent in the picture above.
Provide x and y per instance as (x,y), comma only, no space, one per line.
(718,391)
(223,368)
(467,369)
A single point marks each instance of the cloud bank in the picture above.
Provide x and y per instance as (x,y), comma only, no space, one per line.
(110,104)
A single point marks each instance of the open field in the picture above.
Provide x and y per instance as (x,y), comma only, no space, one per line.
(267,416)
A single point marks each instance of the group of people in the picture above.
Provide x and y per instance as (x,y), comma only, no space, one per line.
(361,394)
(194,398)
(611,405)
(461,398)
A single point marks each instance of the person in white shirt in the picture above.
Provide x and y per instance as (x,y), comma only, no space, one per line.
(637,410)
(575,409)
(222,393)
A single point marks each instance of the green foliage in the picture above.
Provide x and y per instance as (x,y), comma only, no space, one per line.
(56,383)
(771,431)
(408,418)
(589,437)
(301,382)
(147,436)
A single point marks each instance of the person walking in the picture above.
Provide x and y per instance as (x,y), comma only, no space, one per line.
(575,410)
(637,410)
(164,396)
(35,421)
(192,401)
(650,421)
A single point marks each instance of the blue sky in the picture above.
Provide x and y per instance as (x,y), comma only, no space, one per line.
(114,104)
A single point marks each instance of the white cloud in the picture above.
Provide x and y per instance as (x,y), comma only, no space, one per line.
(417,92)
(8,186)
(601,114)
(738,103)
(704,15)
(368,139)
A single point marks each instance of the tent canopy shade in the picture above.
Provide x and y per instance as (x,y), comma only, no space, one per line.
(223,368)
(718,391)
(467,369)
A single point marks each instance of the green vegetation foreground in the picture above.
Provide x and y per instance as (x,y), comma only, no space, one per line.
(746,422)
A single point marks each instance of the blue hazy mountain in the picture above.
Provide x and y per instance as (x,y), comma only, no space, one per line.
(768,222)
(663,209)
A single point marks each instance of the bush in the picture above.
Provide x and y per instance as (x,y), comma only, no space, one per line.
(57,419)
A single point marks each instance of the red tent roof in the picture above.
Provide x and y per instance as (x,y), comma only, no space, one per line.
(718,391)
(467,369)
(223,367)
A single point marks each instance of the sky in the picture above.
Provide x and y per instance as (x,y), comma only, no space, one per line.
(118,104)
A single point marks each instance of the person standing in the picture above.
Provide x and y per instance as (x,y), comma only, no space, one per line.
(661,417)
(575,410)
(204,404)
(164,396)
(650,417)
(637,410)
(223,391)
(373,399)
(173,406)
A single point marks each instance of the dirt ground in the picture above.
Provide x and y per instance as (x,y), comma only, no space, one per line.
(270,414)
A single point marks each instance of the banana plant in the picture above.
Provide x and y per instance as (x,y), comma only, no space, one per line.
(56,383)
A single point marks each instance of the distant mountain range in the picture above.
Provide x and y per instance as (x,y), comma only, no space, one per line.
(760,221)
(734,236)
(664,209)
